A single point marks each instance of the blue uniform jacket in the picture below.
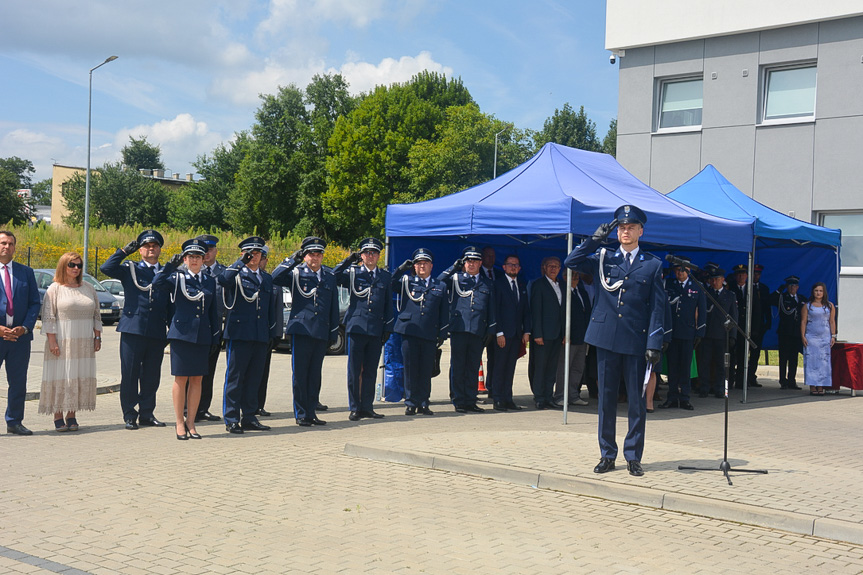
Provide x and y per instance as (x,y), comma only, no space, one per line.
(513,315)
(372,313)
(688,309)
(314,304)
(146,312)
(626,319)
(194,321)
(26,302)
(247,320)
(470,313)
(715,318)
(427,318)
(218,301)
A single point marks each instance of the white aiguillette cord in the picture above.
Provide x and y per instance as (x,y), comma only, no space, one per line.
(609,288)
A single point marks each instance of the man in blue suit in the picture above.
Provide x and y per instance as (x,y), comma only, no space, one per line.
(547,306)
(423,319)
(512,311)
(250,318)
(143,327)
(625,326)
(19,306)
(368,323)
(688,323)
(313,324)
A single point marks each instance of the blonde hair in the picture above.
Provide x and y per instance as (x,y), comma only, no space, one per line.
(61,276)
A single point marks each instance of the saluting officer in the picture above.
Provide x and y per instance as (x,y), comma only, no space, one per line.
(368,323)
(423,319)
(142,327)
(688,323)
(471,322)
(313,324)
(790,341)
(626,326)
(248,295)
(195,327)
(711,371)
(212,268)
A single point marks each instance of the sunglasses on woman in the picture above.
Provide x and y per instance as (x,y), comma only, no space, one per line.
(78,265)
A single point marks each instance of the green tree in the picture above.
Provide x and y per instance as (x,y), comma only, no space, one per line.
(118,196)
(609,143)
(569,128)
(22,169)
(40,193)
(139,153)
(12,207)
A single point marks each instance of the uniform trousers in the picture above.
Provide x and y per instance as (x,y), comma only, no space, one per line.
(577,361)
(789,348)
(418,357)
(364,356)
(16,356)
(140,369)
(501,378)
(465,356)
(711,367)
(679,355)
(545,369)
(612,366)
(245,366)
(307,360)
(265,374)
(207,380)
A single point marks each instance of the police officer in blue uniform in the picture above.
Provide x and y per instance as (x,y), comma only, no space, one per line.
(313,324)
(247,293)
(368,323)
(142,326)
(626,326)
(688,323)
(790,337)
(212,268)
(423,319)
(471,323)
(194,328)
(276,333)
(711,367)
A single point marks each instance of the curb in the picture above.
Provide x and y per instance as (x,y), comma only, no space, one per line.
(31,395)
(800,523)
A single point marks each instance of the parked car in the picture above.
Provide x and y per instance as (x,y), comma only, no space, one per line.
(337,348)
(115,288)
(109,307)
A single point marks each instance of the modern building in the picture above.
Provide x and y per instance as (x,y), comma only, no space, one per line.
(768,92)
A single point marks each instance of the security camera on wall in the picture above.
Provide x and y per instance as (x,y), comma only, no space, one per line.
(612,59)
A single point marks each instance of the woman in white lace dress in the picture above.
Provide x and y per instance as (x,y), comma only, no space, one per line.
(73,326)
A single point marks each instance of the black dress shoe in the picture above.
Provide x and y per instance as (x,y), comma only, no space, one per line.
(206,416)
(18,429)
(150,422)
(720,395)
(670,403)
(635,468)
(460,409)
(263,412)
(408,410)
(234,428)
(755,384)
(686,405)
(554,405)
(474,408)
(513,406)
(304,422)
(604,466)
(794,386)
(321,407)
(703,394)
(540,405)
(354,416)
(500,406)
(130,424)
(316,421)
(371,414)
(255,426)
(426,411)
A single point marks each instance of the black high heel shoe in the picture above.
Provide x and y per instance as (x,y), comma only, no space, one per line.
(183,437)
(192,435)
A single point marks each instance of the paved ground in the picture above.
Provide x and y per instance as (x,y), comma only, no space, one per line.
(105,500)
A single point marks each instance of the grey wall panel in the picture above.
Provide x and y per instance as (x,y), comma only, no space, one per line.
(789,44)
(732,152)
(838,182)
(850,310)
(635,96)
(783,168)
(633,153)
(675,158)
(840,70)
(730,99)
(680,58)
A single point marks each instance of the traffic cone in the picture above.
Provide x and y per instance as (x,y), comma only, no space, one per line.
(480,388)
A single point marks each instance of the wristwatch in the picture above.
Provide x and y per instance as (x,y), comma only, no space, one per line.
(26,330)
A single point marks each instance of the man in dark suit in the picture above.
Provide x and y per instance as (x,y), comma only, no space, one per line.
(761,324)
(368,323)
(423,319)
(547,308)
(688,322)
(512,310)
(790,338)
(213,269)
(313,324)
(489,272)
(248,292)
(626,326)
(579,317)
(19,308)
(143,327)
(711,369)
(738,367)
(471,322)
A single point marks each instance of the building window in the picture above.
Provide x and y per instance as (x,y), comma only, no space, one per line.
(851,225)
(789,93)
(681,101)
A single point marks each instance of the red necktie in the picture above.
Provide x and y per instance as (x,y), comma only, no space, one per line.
(7,285)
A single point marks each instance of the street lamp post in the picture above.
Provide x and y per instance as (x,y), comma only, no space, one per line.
(87,182)
(494,170)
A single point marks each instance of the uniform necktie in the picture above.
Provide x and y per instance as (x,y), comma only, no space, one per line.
(7,285)
(208,271)
(471,281)
(628,260)
(514,288)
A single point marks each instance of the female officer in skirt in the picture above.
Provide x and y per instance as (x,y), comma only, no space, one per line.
(193,330)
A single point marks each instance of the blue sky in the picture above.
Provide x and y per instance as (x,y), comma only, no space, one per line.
(189,71)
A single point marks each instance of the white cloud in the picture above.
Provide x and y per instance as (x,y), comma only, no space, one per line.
(363,76)
(181,140)
(285,15)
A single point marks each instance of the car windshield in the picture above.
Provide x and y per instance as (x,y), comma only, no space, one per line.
(92,281)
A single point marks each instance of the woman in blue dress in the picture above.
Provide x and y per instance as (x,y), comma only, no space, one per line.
(194,329)
(818,328)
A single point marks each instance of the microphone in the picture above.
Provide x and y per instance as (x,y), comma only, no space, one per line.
(676,261)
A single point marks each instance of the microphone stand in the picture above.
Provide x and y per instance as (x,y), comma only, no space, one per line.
(730,324)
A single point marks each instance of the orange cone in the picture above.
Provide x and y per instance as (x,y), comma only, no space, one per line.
(480,388)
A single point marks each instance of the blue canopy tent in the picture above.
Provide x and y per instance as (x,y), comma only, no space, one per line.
(538,207)
(782,244)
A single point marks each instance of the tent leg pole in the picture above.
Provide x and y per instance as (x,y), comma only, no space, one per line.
(567,321)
